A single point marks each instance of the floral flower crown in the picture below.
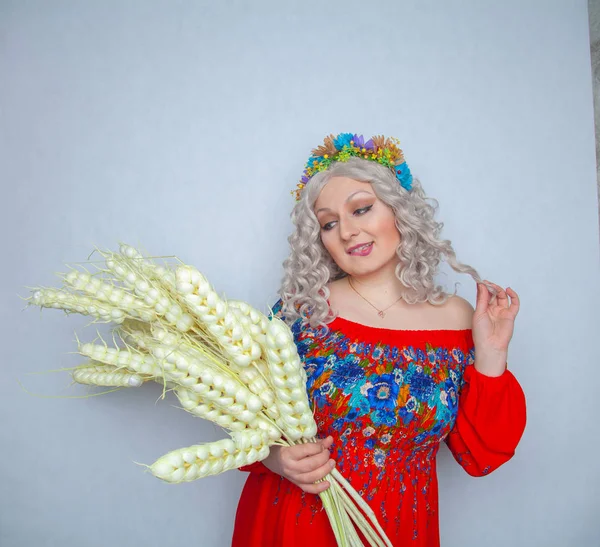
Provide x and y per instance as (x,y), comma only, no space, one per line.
(346,145)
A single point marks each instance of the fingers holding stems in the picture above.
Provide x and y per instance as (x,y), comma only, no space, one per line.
(308,464)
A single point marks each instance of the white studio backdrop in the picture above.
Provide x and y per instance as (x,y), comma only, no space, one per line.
(183,126)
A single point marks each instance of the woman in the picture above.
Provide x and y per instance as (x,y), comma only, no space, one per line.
(394,364)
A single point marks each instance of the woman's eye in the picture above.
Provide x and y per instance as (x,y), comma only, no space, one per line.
(363,210)
(358,212)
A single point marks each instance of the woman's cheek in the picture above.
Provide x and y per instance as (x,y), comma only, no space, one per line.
(336,253)
(326,241)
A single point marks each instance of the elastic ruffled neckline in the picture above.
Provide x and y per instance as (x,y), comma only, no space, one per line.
(370,334)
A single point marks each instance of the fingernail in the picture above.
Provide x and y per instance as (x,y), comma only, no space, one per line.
(331,464)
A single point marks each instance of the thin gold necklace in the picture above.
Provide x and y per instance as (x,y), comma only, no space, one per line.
(381,313)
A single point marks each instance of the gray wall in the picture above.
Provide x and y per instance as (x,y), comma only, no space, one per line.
(182,127)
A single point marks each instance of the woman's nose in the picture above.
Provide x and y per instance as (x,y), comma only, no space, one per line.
(348,228)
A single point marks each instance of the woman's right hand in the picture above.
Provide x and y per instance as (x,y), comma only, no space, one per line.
(303,464)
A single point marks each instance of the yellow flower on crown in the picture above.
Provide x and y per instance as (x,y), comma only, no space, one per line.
(385,151)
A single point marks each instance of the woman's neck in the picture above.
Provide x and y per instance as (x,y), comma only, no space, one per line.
(381,285)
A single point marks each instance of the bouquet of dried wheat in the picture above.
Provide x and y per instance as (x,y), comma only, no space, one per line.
(225,361)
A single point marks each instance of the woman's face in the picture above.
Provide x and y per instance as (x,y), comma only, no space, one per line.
(357,228)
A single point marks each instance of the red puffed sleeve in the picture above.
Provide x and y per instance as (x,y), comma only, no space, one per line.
(490,421)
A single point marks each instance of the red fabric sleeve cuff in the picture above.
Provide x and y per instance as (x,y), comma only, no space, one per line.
(471,374)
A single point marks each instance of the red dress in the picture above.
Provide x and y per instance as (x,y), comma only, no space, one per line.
(388,398)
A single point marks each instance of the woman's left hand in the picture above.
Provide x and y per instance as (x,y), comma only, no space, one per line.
(493,326)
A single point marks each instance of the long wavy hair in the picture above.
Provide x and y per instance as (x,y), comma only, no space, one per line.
(309,267)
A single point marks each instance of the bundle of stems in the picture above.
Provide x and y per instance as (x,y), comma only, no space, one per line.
(224,360)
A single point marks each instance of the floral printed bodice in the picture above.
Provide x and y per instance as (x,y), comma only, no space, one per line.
(388,398)
(384,401)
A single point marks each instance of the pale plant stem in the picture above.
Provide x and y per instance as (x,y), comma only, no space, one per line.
(357,516)
(362,524)
(327,504)
(343,493)
(339,512)
(331,507)
(339,496)
(362,504)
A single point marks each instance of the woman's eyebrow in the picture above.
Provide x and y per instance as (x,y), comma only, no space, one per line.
(347,200)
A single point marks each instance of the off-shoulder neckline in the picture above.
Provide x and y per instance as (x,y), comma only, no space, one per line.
(393,337)
(361,326)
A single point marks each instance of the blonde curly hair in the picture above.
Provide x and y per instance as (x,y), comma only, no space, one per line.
(309,267)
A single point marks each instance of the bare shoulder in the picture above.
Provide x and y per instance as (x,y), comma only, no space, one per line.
(458,313)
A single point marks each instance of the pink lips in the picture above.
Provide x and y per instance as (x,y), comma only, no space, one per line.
(364,251)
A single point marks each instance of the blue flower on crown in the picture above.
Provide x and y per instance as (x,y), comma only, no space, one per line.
(353,145)
(404,176)
(342,140)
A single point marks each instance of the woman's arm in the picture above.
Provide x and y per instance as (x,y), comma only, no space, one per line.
(491,408)
(490,421)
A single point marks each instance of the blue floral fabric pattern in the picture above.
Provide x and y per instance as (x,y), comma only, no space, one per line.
(376,397)
(388,398)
